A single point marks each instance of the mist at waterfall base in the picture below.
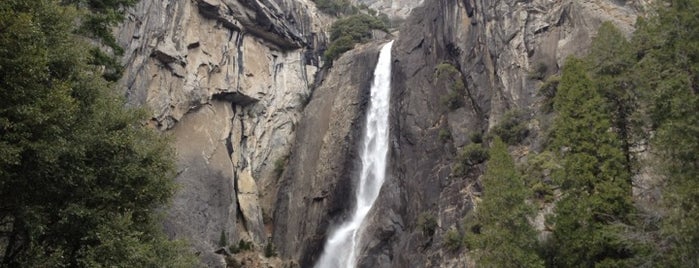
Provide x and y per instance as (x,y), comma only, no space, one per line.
(343,244)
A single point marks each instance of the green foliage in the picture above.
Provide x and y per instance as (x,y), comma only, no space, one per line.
(447,74)
(609,63)
(512,128)
(667,49)
(474,154)
(504,238)
(349,31)
(538,168)
(476,137)
(622,93)
(444,134)
(594,177)
(453,239)
(97,17)
(453,100)
(80,177)
(280,165)
(270,250)
(548,92)
(336,7)
(241,246)
(427,223)
(471,155)
(338,47)
(113,69)
(445,69)
(222,240)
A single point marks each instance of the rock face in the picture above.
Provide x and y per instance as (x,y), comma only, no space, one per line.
(231,81)
(228,79)
(395,9)
(318,183)
(502,50)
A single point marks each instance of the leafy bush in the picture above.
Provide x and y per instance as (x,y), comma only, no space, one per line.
(453,239)
(476,137)
(447,73)
(473,154)
(548,92)
(241,246)
(444,134)
(470,156)
(270,250)
(543,191)
(538,170)
(453,100)
(222,240)
(427,223)
(512,130)
(336,7)
(445,69)
(347,32)
(339,46)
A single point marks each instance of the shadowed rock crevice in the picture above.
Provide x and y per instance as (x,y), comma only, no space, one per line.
(260,18)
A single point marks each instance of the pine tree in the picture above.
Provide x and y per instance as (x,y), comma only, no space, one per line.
(506,238)
(610,61)
(594,179)
(668,79)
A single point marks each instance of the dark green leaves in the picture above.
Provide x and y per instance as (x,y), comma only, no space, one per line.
(80,177)
(347,32)
(506,238)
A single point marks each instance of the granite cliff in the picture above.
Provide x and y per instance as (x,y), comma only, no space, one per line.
(265,131)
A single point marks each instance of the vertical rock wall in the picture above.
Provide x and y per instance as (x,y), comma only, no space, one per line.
(228,79)
(318,185)
(502,50)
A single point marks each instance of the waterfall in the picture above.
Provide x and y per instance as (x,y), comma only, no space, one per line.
(344,243)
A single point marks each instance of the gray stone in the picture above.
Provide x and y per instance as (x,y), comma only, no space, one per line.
(317,186)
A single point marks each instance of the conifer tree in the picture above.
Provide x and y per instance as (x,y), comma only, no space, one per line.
(667,74)
(506,238)
(610,61)
(594,179)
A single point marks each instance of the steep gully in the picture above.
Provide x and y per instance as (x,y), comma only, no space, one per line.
(343,244)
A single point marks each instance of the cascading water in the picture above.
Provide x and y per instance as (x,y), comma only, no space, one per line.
(344,243)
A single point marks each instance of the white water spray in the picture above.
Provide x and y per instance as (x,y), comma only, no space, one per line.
(344,243)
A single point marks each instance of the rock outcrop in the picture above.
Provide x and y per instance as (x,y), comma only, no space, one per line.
(228,79)
(396,9)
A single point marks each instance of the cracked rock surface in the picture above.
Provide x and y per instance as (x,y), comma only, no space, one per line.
(228,79)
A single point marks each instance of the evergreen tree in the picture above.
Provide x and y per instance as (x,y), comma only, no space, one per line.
(80,177)
(610,61)
(667,46)
(594,179)
(506,239)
